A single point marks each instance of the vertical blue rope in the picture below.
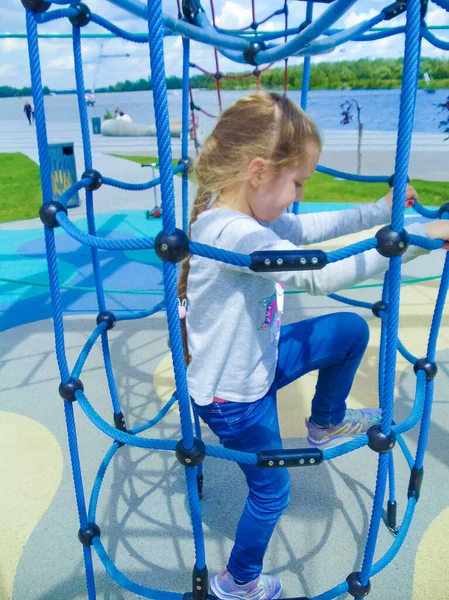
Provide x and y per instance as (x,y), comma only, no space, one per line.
(406,110)
(307,63)
(305,81)
(431,352)
(156,35)
(45,171)
(376,517)
(185,129)
(406,118)
(391,478)
(87,152)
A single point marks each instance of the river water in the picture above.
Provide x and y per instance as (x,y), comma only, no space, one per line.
(380,108)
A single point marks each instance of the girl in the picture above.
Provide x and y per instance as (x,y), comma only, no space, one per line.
(253,166)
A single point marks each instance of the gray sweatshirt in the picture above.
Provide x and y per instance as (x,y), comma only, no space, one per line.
(234,314)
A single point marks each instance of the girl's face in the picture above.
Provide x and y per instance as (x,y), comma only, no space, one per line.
(272,194)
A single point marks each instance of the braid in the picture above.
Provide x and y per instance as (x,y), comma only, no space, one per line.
(201,204)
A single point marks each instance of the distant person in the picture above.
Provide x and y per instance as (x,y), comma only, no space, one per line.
(29,112)
(121,116)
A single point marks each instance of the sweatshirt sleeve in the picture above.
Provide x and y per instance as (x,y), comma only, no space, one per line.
(246,235)
(313,228)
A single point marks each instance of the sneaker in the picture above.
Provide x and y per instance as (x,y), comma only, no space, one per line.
(265,587)
(354,423)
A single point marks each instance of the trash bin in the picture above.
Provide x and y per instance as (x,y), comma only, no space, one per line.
(63,171)
(96,125)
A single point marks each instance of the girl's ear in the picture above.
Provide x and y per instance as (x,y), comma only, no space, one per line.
(257,170)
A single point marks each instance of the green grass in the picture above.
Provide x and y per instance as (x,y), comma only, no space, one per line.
(323,188)
(20,187)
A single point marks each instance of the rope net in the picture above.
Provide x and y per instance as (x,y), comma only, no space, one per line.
(260,50)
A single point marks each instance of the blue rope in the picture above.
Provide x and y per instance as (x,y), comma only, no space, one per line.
(232,45)
(185,129)
(352,176)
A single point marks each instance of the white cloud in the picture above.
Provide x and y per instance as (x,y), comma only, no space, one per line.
(234,16)
(354,17)
(8,45)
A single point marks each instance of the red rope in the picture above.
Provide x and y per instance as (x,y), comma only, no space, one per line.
(217,66)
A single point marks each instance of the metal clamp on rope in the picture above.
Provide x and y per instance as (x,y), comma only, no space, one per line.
(301,457)
(190,9)
(393,10)
(288,260)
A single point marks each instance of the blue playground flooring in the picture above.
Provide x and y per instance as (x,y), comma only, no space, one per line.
(138,271)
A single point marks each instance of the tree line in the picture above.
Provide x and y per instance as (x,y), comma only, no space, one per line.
(380,73)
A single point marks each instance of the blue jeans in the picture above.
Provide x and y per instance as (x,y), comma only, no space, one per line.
(334,344)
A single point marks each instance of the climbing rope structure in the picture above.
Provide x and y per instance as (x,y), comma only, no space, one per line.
(258,49)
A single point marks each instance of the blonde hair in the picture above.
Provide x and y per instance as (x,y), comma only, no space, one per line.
(264,125)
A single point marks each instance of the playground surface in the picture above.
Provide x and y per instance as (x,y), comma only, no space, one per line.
(143,511)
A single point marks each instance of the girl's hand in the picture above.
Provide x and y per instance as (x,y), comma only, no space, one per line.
(438,230)
(410,195)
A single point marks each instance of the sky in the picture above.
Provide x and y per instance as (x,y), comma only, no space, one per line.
(57,60)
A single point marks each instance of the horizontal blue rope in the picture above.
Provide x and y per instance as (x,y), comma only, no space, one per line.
(418,406)
(244,458)
(350,301)
(73,189)
(76,371)
(164,410)
(351,250)
(116,434)
(143,243)
(126,583)
(133,315)
(336,591)
(353,176)
(442,4)
(139,186)
(231,258)
(425,212)
(59,13)
(426,243)
(355,444)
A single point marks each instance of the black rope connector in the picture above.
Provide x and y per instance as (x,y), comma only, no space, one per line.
(119,421)
(250,53)
(190,9)
(200,583)
(391,243)
(380,442)
(257,72)
(174,247)
(38,6)
(188,164)
(48,212)
(218,76)
(298,457)
(97,179)
(414,486)
(67,390)
(379,307)
(391,180)
(83,16)
(424,364)
(107,317)
(393,10)
(391,519)
(355,588)
(86,536)
(443,209)
(254,25)
(192,457)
